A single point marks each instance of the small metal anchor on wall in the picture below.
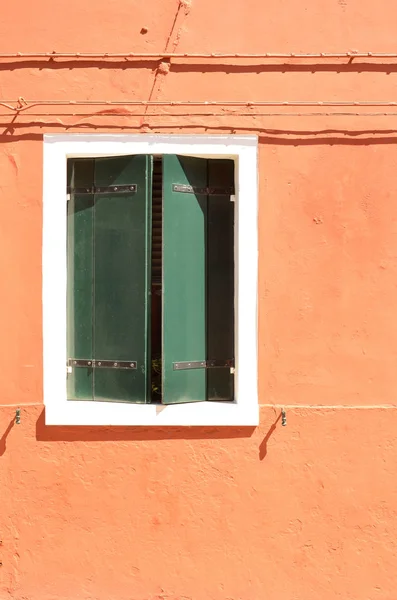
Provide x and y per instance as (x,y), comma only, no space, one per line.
(18,416)
(283,417)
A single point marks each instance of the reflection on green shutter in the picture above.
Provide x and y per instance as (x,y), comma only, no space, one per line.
(122,277)
(220,280)
(80,224)
(184,262)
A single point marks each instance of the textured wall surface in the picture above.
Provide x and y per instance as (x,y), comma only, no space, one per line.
(303,511)
(300,512)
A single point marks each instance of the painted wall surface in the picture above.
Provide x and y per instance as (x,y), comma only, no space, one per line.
(300,512)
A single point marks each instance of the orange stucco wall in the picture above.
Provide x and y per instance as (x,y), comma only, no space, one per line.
(300,512)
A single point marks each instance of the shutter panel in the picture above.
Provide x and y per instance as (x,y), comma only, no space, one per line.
(121,329)
(184,264)
(220,280)
(80,226)
(198,279)
(108,246)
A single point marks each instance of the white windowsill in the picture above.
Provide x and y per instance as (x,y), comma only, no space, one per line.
(109,413)
(60,411)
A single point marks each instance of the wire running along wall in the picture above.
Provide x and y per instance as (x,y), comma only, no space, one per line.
(21,105)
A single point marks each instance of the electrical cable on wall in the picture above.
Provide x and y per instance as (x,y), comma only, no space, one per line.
(21,105)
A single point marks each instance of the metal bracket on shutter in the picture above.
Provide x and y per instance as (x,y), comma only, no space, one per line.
(130,188)
(102,364)
(203,364)
(205,191)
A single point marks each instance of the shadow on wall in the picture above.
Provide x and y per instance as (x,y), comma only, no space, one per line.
(263,445)
(358,65)
(55,433)
(11,131)
(3,439)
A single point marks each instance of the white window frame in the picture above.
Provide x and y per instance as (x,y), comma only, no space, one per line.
(244,411)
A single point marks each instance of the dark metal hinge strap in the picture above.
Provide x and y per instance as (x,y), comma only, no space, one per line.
(130,188)
(205,191)
(102,364)
(203,364)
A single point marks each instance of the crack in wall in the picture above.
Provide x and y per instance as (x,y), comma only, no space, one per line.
(164,67)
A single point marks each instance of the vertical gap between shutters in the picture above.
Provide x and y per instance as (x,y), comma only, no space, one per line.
(156,283)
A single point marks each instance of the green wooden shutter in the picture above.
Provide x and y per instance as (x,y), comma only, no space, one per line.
(198,285)
(184,262)
(117,299)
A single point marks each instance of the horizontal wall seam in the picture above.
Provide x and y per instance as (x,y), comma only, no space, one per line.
(193,55)
(190,114)
(21,405)
(331,406)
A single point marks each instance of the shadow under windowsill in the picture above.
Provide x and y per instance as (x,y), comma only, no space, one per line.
(73,433)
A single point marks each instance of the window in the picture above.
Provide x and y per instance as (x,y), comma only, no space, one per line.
(150,280)
(156,324)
